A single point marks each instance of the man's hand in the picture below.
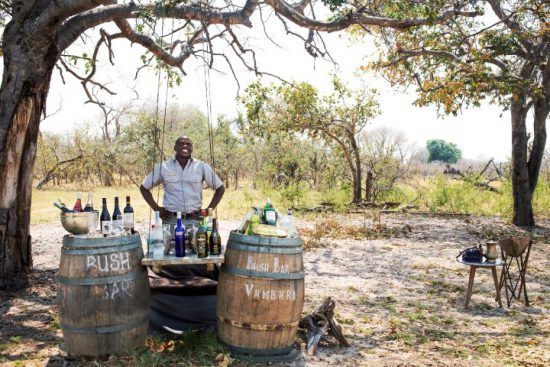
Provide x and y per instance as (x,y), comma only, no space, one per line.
(163,213)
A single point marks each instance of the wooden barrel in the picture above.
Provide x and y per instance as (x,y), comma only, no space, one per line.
(103,295)
(260,296)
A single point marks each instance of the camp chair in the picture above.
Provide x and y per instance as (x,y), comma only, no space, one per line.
(513,251)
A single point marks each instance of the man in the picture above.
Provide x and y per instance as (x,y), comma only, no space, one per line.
(183,178)
(183,297)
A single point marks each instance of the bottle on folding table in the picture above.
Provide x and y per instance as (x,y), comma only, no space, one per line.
(155,241)
(179,237)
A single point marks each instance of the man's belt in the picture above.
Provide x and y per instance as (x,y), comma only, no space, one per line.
(193,215)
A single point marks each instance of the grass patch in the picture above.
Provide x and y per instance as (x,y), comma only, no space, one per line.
(191,349)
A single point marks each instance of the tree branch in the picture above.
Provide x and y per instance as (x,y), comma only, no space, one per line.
(75,26)
(359,17)
(62,9)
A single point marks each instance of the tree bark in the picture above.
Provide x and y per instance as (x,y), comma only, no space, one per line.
(357,194)
(28,63)
(521,188)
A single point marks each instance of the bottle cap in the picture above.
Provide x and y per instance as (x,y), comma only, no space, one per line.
(204,213)
(79,195)
(179,215)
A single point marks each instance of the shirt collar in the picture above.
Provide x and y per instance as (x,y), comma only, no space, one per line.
(175,161)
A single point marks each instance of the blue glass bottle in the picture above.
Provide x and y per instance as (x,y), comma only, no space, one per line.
(179,236)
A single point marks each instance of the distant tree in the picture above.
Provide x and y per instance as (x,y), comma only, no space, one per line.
(440,150)
(387,160)
(227,151)
(337,118)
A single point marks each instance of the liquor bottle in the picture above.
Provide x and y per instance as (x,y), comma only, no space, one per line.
(105,219)
(179,236)
(62,207)
(155,243)
(215,242)
(270,216)
(287,223)
(202,246)
(117,216)
(128,216)
(90,204)
(78,205)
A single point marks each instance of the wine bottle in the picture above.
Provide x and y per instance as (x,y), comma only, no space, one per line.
(62,207)
(90,204)
(179,236)
(78,205)
(117,215)
(105,219)
(215,241)
(128,216)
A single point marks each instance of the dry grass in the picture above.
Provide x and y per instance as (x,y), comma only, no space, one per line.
(337,228)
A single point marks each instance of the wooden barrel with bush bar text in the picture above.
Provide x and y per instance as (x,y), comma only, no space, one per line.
(103,295)
(260,296)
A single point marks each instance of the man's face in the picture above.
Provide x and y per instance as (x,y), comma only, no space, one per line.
(183,147)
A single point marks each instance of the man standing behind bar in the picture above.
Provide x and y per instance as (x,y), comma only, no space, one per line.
(183,177)
(183,297)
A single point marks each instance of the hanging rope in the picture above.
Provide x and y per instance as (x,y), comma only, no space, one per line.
(208,98)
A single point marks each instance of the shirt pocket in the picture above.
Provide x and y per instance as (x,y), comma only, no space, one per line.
(195,177)
(171,178)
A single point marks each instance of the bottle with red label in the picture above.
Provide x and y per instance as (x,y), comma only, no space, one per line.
(78,205)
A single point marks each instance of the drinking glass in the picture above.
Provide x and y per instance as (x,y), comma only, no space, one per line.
(92,224)
(117,225)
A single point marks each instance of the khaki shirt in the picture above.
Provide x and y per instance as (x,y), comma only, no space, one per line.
(182,186)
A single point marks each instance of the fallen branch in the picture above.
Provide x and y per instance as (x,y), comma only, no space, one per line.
(322,323)
(468,177)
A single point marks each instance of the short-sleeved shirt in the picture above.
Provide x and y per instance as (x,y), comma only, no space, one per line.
(182,186)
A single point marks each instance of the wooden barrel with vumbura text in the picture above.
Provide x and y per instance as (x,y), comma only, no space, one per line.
(260,296)
(103,295)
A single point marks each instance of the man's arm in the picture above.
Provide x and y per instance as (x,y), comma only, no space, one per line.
(149,199)
(218,194)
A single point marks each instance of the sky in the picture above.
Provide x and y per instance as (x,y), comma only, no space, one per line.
(481,133)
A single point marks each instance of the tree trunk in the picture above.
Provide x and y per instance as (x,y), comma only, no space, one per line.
(28,63)
(368,186)
(521,188)
(357,194)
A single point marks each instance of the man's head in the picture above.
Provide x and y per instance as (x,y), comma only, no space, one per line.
(183,147)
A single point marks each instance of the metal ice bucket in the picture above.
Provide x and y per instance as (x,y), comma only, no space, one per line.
(78,223)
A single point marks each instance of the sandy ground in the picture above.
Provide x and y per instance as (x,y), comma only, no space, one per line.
(400,298)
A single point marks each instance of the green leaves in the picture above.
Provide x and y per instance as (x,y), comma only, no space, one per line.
(440,150)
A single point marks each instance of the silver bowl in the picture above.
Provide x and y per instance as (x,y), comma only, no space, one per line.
(78,223)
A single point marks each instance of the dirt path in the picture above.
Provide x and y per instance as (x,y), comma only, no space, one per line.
(400,299)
